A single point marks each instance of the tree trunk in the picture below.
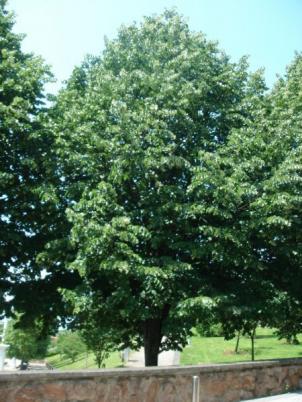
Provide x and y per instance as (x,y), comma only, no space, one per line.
(295,340)
(24,365)
(237,342)
(152,341)
(253,333)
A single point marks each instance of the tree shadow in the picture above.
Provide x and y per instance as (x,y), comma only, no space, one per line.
(264,336)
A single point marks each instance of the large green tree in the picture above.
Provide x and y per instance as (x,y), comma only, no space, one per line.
(29,206)
(129,129)
(246,203)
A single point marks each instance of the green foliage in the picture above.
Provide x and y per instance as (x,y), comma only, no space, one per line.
(212,330)
(31,214)
(246,202)
(25,344)
(22,77)
(70,345)
(1,331)
(129,128)
(101,343)
(162,174)
(286,317)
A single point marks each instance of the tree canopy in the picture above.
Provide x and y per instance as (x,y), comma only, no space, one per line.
(162,183)
(30,212)
(129,129)
(249,198)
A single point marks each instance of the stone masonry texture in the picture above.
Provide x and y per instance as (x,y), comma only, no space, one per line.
(218,383)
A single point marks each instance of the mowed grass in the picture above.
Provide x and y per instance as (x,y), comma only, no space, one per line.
(217,350)
(83,361)
(202,351)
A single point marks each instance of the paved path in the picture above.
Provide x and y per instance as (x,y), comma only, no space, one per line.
(169,358)
(292,397)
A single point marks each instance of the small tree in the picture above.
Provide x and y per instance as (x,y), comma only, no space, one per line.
(25,344)
(242,323)
(101,343)
(240,313)
(70,345)
(286,317)
(98,338)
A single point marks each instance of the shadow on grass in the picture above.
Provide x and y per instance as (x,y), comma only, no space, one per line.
(265,336)
(260,347)
(61,362)
(231,352)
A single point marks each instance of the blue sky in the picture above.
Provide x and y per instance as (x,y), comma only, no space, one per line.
(63,31)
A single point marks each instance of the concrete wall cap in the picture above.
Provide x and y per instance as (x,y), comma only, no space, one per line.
(52,375)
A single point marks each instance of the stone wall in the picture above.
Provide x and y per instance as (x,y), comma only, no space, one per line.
(218,383)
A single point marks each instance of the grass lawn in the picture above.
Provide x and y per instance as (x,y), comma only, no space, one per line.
(217,350)
(83,361)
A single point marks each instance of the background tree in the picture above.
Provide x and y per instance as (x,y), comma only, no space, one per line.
(26,344)
(99,341)
(1,331)
(31,213)
(286,317)
(94,332)
(70,345)
(246,204)
(242,316)
(129,127)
